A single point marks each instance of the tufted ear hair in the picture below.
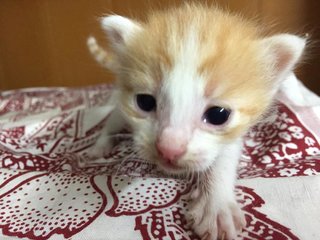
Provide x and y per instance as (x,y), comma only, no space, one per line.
(119,30)
(283,51)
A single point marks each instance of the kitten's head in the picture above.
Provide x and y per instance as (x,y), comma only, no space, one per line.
(193,80)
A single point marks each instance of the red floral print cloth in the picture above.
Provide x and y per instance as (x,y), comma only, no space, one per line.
(48,192)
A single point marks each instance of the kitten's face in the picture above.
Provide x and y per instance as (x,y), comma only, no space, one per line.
(192,82)
(188,104)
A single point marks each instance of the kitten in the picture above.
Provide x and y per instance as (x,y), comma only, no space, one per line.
(191,81)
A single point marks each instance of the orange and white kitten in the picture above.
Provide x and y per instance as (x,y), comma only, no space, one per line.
(191,81)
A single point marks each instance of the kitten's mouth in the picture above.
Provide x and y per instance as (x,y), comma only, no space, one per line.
(171,167)
(179,167)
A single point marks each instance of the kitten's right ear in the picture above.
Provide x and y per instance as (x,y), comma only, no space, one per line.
(119,30)
(283,52)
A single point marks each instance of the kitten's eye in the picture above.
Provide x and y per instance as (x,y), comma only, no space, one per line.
(216,115)
(146,102)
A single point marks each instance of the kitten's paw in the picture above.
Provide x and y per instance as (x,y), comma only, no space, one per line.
(101,148)
(215,218)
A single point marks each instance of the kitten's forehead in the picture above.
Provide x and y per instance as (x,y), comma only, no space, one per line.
(205,41)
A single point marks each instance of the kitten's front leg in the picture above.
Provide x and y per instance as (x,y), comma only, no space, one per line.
(104,143)
(215,211)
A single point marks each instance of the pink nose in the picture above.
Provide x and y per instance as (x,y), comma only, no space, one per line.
(170,153)
(171,144)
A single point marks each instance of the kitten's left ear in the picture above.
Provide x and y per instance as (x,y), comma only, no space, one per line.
(283,51)
(119,30)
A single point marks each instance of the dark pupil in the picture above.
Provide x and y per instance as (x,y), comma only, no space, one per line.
(216,115)
(146,102)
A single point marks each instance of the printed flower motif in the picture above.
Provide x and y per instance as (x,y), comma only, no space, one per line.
(313,151)
(309,141)
(284,117)
(296,132)
(310,172)
(266,159)
(285,136)
(288,172)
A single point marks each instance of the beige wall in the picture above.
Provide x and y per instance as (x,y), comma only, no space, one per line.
(42,42)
